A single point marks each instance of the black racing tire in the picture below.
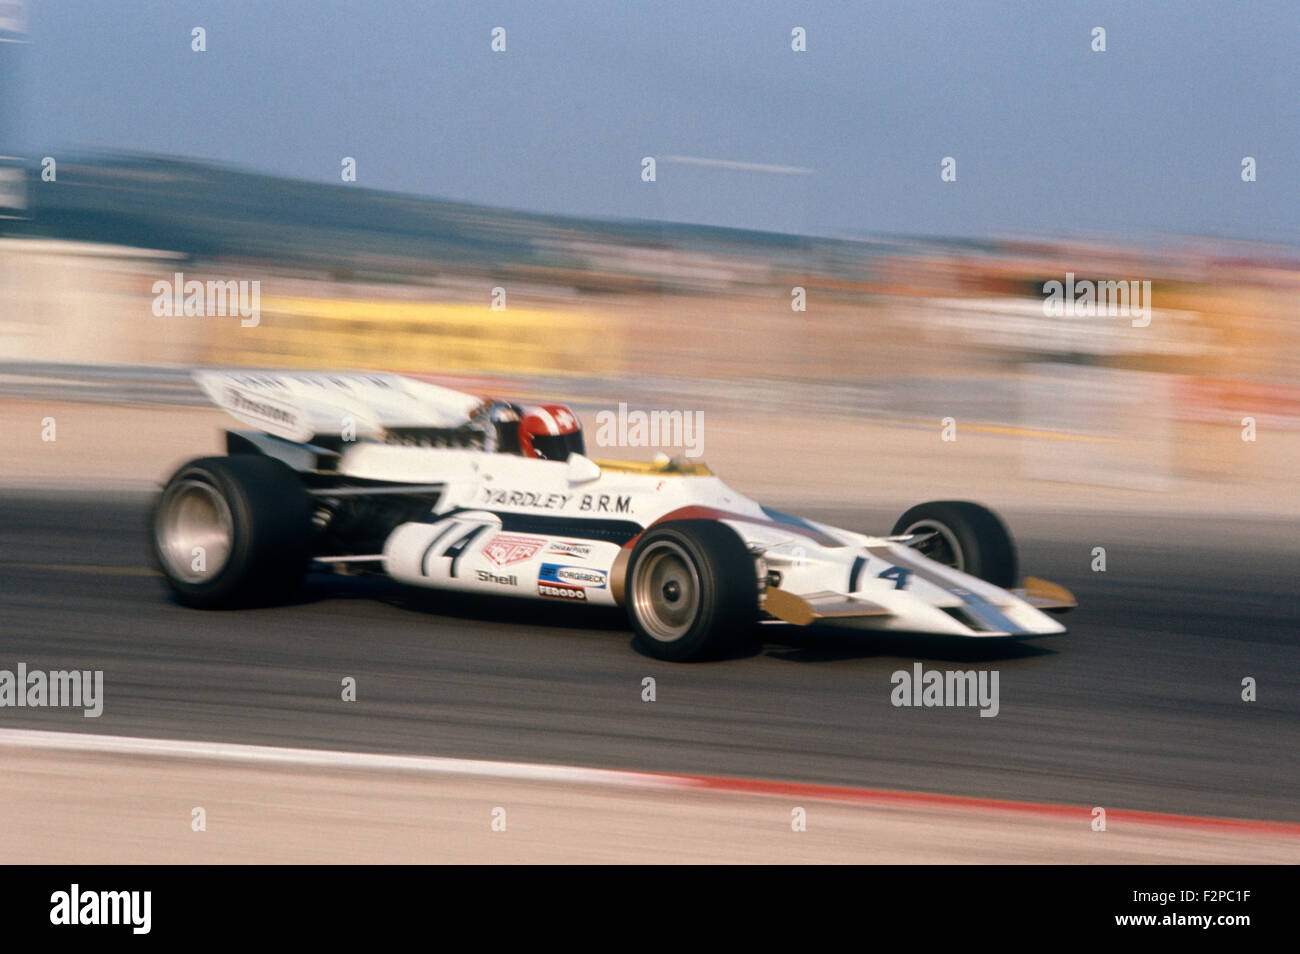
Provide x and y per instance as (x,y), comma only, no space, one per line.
(969,537)
(232,531)
(691,591)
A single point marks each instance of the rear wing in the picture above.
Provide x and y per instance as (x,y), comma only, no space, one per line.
(299,405)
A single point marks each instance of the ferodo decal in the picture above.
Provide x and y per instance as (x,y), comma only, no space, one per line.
(507,548)
(560,591)
(572,576)
(579,551)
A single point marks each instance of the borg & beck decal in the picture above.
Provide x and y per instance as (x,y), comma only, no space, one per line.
(580,576)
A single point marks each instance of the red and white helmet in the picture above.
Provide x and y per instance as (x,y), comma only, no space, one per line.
(550,432)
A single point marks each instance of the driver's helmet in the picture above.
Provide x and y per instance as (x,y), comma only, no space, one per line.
(550,432)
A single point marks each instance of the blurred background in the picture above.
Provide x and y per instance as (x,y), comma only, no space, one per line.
(797,268)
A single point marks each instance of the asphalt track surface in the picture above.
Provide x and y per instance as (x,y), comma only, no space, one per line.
(1138,707)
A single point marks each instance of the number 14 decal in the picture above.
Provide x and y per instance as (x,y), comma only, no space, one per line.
(899,575)
(456,548)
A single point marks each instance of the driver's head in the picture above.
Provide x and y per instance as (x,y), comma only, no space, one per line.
(550,432)
(498,423)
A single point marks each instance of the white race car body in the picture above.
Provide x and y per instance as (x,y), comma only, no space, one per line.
(503,524)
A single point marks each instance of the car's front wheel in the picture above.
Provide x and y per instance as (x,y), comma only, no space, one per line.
(965,536)
(230,531)
(692,590)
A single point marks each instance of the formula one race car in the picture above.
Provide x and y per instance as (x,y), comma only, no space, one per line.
(428,486)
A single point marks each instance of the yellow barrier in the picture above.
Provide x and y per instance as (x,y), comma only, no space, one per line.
(419,336)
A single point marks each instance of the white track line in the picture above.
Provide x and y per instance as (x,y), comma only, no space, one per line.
(325,758)
(265,755)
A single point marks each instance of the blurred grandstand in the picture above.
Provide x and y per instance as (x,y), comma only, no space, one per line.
(905,330)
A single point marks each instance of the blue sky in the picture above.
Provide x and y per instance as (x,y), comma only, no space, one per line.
(1049,137)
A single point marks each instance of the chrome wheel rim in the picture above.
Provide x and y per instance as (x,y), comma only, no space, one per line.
(940,545)
(194,520)
(666,591)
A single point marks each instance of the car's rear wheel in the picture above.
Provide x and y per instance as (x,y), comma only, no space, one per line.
(230,531)
(692,590)
(966,536)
